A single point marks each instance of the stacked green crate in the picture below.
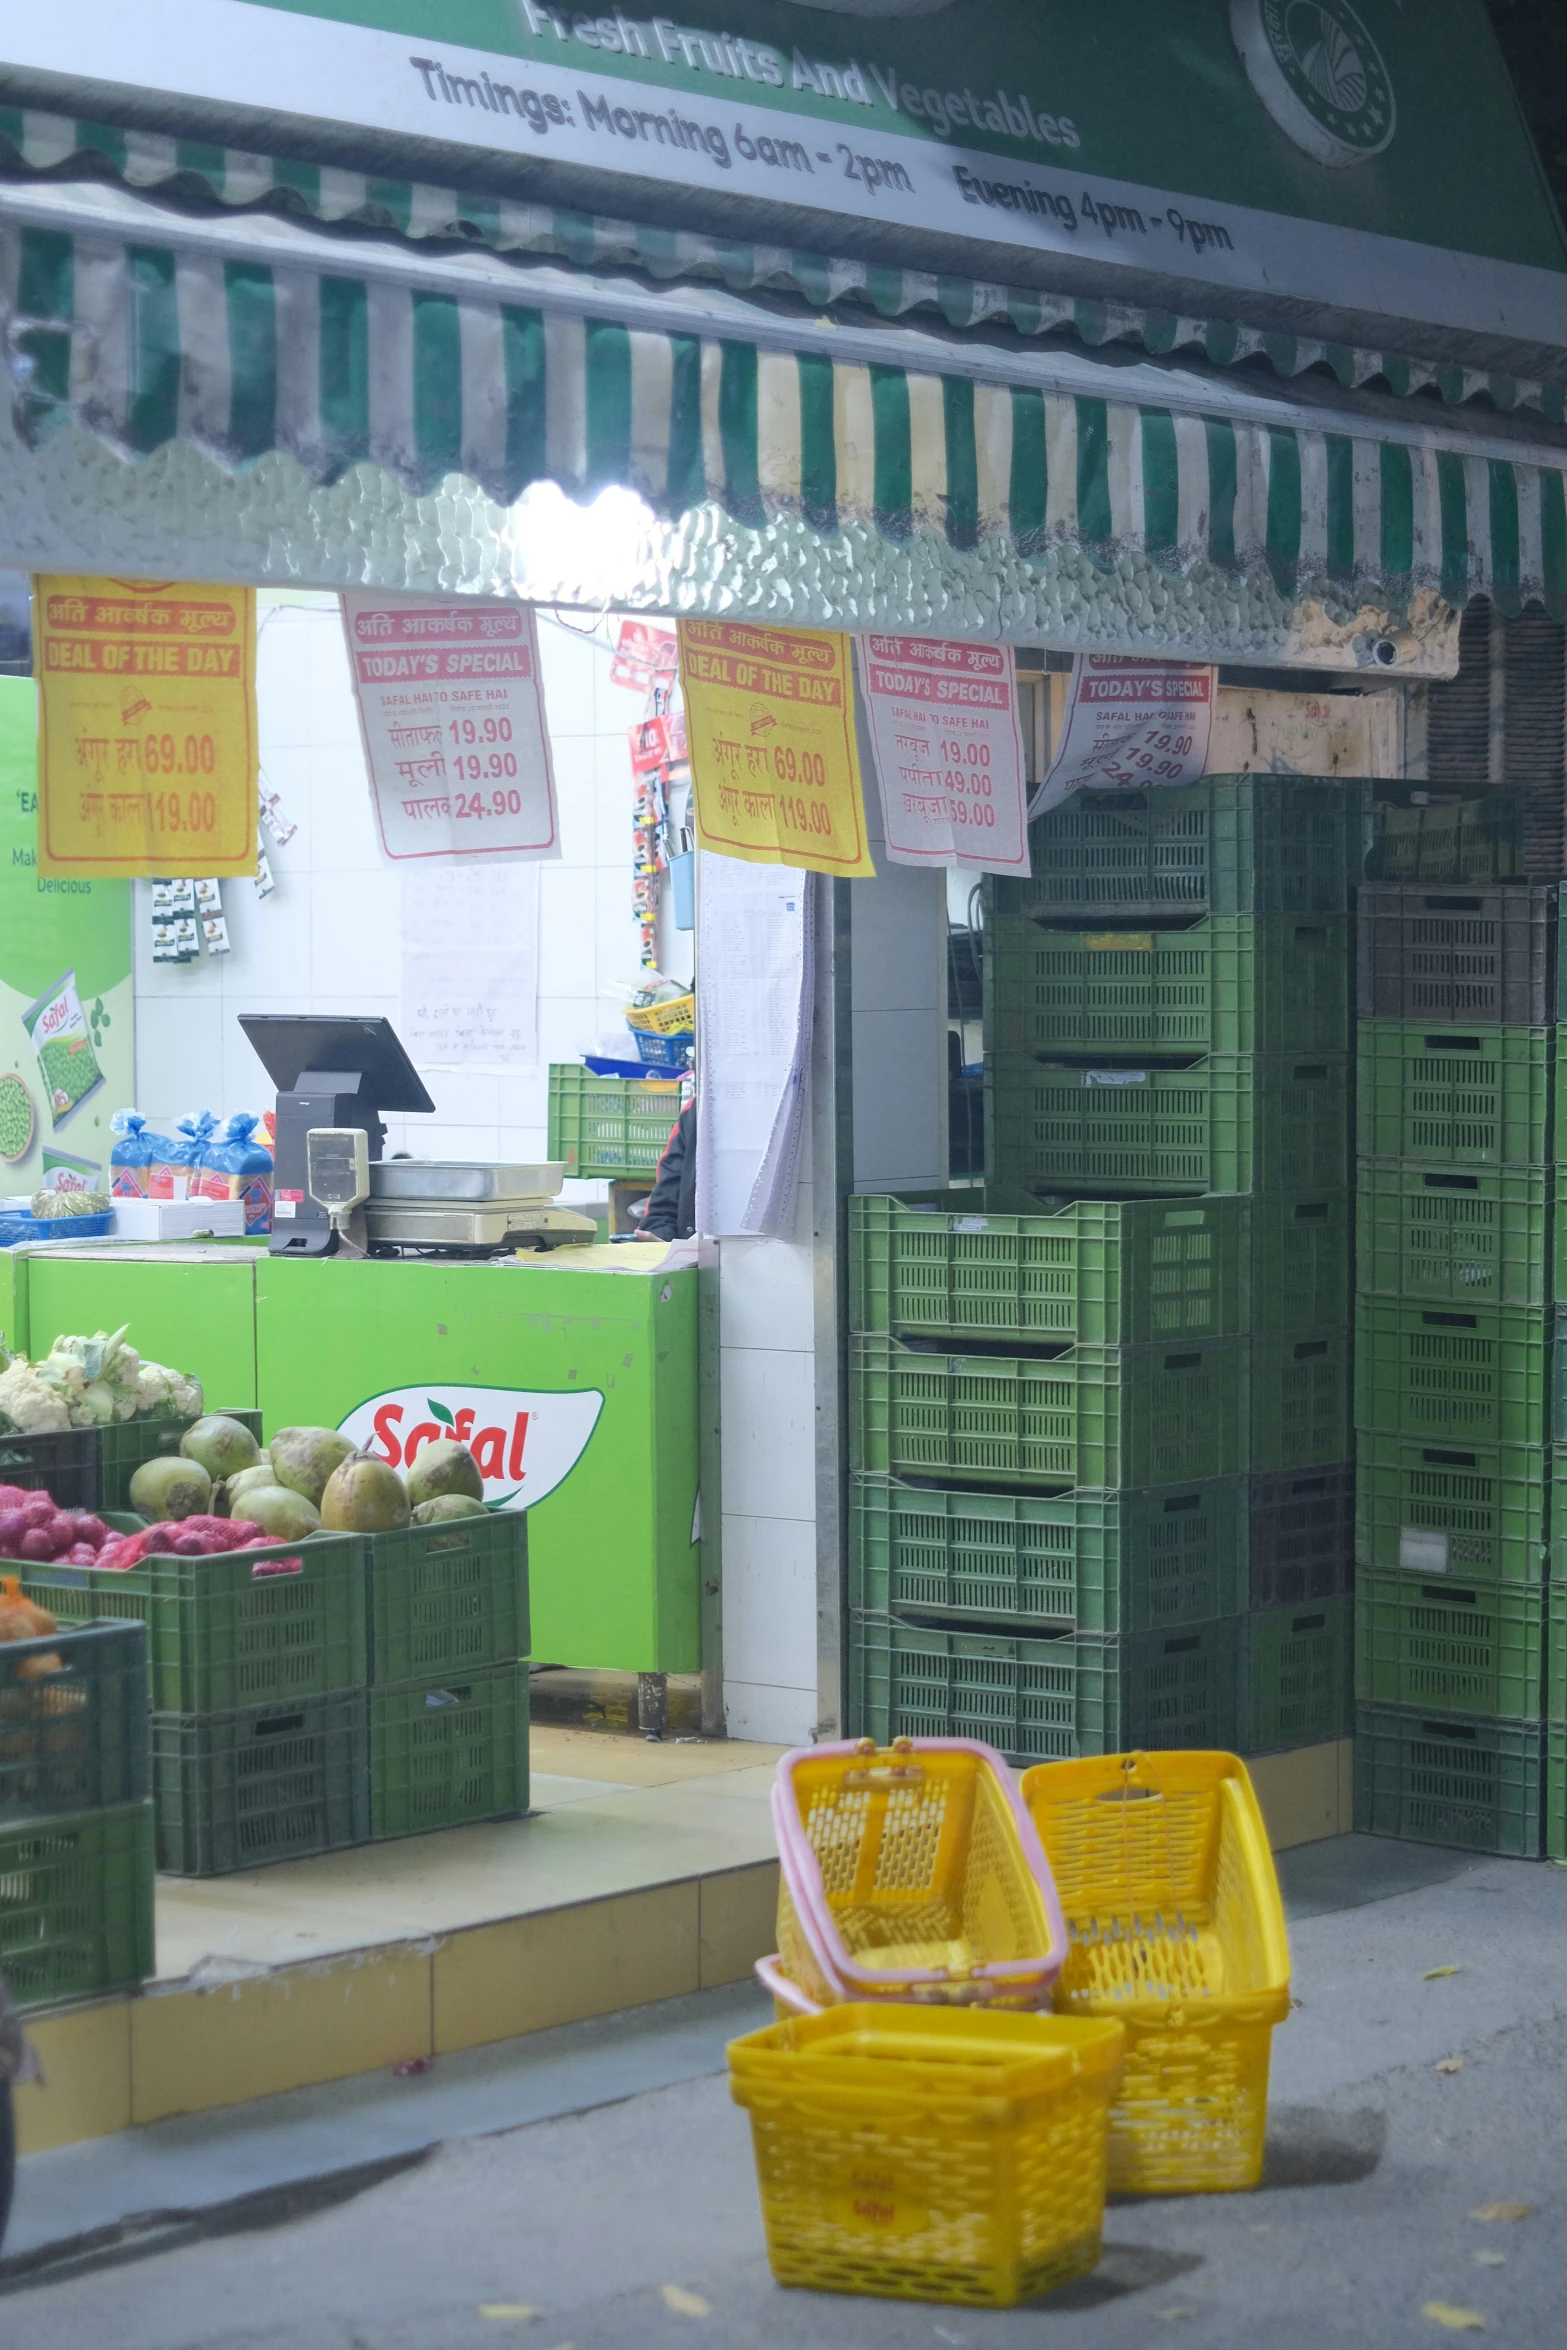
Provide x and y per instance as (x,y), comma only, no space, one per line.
(1454,1341)
(1196,1038)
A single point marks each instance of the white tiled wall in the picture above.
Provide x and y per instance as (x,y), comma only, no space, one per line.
(328,939)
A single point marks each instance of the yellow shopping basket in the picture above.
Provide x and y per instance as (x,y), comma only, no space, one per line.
(951,2154)
(1172,1901)
(912,1872)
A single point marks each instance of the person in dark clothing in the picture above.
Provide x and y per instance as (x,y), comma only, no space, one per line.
(671,1210)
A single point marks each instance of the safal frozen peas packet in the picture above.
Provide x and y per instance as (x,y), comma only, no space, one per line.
(58,1028)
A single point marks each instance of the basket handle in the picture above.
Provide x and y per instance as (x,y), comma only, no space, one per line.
(771,1976)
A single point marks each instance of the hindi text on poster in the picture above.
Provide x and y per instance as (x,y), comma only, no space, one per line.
(944,728)
(770,724)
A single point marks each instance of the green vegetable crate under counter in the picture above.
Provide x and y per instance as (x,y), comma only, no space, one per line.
(449,1752)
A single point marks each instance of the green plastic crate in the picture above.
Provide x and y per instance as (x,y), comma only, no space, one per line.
(445,1753)
(126,1444)
(1113,1272)
(1046,1700)
(447,1598)
(1462,1236)
(1414,838)
(1452,1374)
(73,1739)
(1231,1122)
(1556,1790)
(265,1783)
(1232,844)
(1300,1261)
(1302,1535)
(76,1904)
(1443,1646)
(1556,1648)
(90,1468)
(1448,1097)
(608,1126)
(1143,1559)
(1300,1399)
(240,1629)
(1434,1780)
(1092,1415)
(1474,1511)
(1299,1682)
(1234,983)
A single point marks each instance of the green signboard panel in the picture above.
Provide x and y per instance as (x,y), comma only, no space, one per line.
(198,1317)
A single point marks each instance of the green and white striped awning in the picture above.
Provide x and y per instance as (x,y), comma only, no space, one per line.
(245,337)
(34,142)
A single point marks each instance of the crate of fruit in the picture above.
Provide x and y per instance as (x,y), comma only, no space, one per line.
(1470,1510)
(73,1711)
(447,1598)
(1228,984)
(76,1895)
(1229,1122)
(1042,1700)
(91,1468)
(1087,1415)
(1137,1560)
(1462,1236)
(1299,1676)
(1113,1272)
(448,1752)
(1458,957)
(1232,844)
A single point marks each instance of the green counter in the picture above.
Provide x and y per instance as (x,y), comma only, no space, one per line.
(577,1391)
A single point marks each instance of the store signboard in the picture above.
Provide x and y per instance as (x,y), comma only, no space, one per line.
(525,1442)
(1271,146)
(948,747)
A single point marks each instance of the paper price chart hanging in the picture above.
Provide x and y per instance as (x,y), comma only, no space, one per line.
(770,722)
(146,727)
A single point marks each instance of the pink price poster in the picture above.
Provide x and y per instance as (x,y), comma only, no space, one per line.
(1131,725)
(451,710)
(948,747)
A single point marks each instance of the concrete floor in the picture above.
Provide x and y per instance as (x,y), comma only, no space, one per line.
(583,2217)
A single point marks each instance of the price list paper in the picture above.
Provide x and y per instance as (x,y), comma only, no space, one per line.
(774,765)
(1130,725)
(147,759)
(948,747)
(451,710)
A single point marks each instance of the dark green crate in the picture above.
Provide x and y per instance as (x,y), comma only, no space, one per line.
(1091,1415)
(1474,1511)
(1441,1645)
(1232,844)
(1556,1646)
(445,1753)
(1228,1122)
(1450,1097)
(1300,1399)
(89,1468)
(606,1126)
(1556,1790)
(73,1739)
(1300,1261)
(1299,1684)
(1113,1272)
(76,1904)
(265,1783)
(243,1629)
(1139,1560)
(447,1598)
(1432,1779)
(1302,1535)
(1475,1236)
(1452,1374)
(1414,838)
(125,1444)
(1233,983)
(1046,1700)
(1461,957)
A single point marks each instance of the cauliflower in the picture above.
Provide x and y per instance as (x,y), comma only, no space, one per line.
(29,1405)
(167,1394)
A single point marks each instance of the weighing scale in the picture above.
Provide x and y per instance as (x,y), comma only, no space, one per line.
(426,1207)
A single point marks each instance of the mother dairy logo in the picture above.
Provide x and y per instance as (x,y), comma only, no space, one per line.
(525,1443)
(1319,74)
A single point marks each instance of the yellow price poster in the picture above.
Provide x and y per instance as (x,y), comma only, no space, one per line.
(774,767)
(146,727)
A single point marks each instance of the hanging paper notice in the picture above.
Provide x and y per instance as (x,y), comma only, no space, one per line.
(470,967)
(146,727)
(770,722)
(1130,725)
(452,715)
(949,751)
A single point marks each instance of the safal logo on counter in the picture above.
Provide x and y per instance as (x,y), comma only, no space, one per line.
(1319,74)
(525,1442)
